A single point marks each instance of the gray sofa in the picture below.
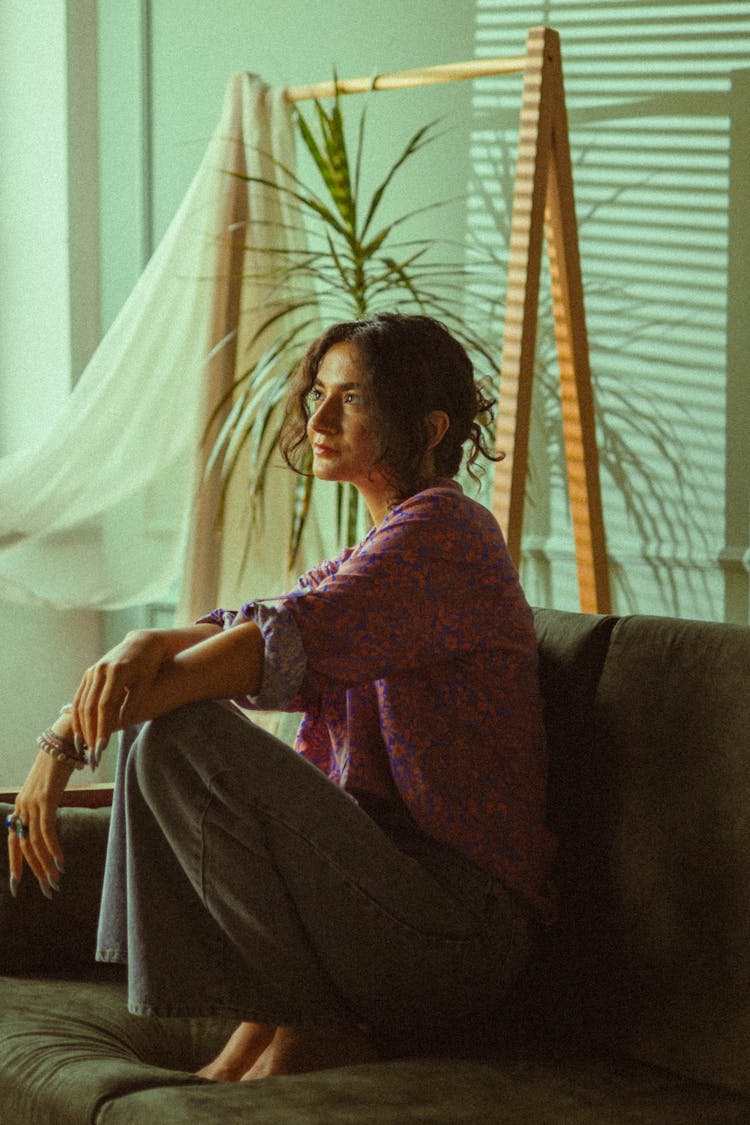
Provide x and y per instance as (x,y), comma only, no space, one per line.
(636,1007)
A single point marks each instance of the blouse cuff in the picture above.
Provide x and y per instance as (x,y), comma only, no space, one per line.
(224,618)
(284,662)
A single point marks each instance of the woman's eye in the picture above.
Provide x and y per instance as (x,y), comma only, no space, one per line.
(351,399)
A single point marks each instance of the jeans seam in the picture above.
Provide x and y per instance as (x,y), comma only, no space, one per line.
(202,836)
(507,971)
(346,880)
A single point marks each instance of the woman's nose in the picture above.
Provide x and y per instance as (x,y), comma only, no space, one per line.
(325,418)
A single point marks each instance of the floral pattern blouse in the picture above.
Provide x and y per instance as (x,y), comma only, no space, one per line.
(413,657)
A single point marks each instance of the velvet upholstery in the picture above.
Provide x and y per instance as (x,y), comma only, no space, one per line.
(70,1054)
(636,1007)
(58,935)
(560,1009)
(672,720)
(461,1092)
(70,1046)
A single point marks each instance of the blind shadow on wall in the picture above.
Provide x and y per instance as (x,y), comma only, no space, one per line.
(655,116)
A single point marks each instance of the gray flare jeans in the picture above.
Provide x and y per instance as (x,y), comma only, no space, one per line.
(241,882)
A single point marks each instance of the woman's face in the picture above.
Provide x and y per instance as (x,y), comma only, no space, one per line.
(344,444)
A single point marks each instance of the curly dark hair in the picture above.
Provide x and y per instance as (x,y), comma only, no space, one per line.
(413,365)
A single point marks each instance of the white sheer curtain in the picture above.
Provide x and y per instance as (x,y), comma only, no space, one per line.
(106,510)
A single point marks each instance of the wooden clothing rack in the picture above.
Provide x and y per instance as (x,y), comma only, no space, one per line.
(543,201)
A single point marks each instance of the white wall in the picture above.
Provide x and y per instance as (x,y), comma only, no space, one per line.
(50,317)
(33,219)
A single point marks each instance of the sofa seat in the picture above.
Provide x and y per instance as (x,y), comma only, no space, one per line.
(71,1053)
(69,1046)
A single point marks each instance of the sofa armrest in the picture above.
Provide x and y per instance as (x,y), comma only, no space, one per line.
(56,936)
(90,795)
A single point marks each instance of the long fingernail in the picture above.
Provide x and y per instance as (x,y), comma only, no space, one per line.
(80,745)
(44,889)
(13,886)
(101,746)
(60,866)
(53,883)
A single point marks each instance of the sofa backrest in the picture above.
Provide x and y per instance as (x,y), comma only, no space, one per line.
(672,731)
(559,1010)
(650,792)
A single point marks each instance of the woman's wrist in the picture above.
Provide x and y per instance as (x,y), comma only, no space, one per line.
(63,724)
(58,740)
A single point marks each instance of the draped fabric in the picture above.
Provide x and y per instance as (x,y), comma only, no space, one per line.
(109,509)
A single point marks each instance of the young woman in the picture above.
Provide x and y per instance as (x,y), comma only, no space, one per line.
(374,886)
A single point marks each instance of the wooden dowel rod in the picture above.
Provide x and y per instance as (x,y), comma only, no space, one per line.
(402,79)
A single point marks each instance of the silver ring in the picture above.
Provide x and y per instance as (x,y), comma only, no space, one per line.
(14,823)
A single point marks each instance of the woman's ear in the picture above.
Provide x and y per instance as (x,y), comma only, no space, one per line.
(437,424)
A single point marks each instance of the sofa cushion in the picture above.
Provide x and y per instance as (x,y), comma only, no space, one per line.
(436,1091)
(572,650)
(671,930)
(67,1046)
(71,1054)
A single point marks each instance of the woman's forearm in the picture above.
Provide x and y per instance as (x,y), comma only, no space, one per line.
(177,640)
(153,670)
(223,666)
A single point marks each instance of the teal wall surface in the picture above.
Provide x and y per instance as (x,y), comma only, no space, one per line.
(49,323)
(164,66)
(658,103)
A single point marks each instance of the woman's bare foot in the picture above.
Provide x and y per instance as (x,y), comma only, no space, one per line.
(296,1050)
(244,1047)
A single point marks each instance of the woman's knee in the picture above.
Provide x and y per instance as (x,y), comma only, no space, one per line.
(163,747)
(199,739)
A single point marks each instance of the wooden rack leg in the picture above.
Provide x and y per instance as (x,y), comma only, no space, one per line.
(544,190)
(522,297)
(576,392)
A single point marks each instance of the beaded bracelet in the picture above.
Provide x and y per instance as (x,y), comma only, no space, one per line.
(61,749)
(79,746)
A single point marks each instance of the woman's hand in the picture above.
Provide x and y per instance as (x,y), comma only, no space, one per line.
(120,688)
(118,678)
(36,806)
(138,679)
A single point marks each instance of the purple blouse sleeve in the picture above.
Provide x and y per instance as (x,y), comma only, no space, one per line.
(285,663)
